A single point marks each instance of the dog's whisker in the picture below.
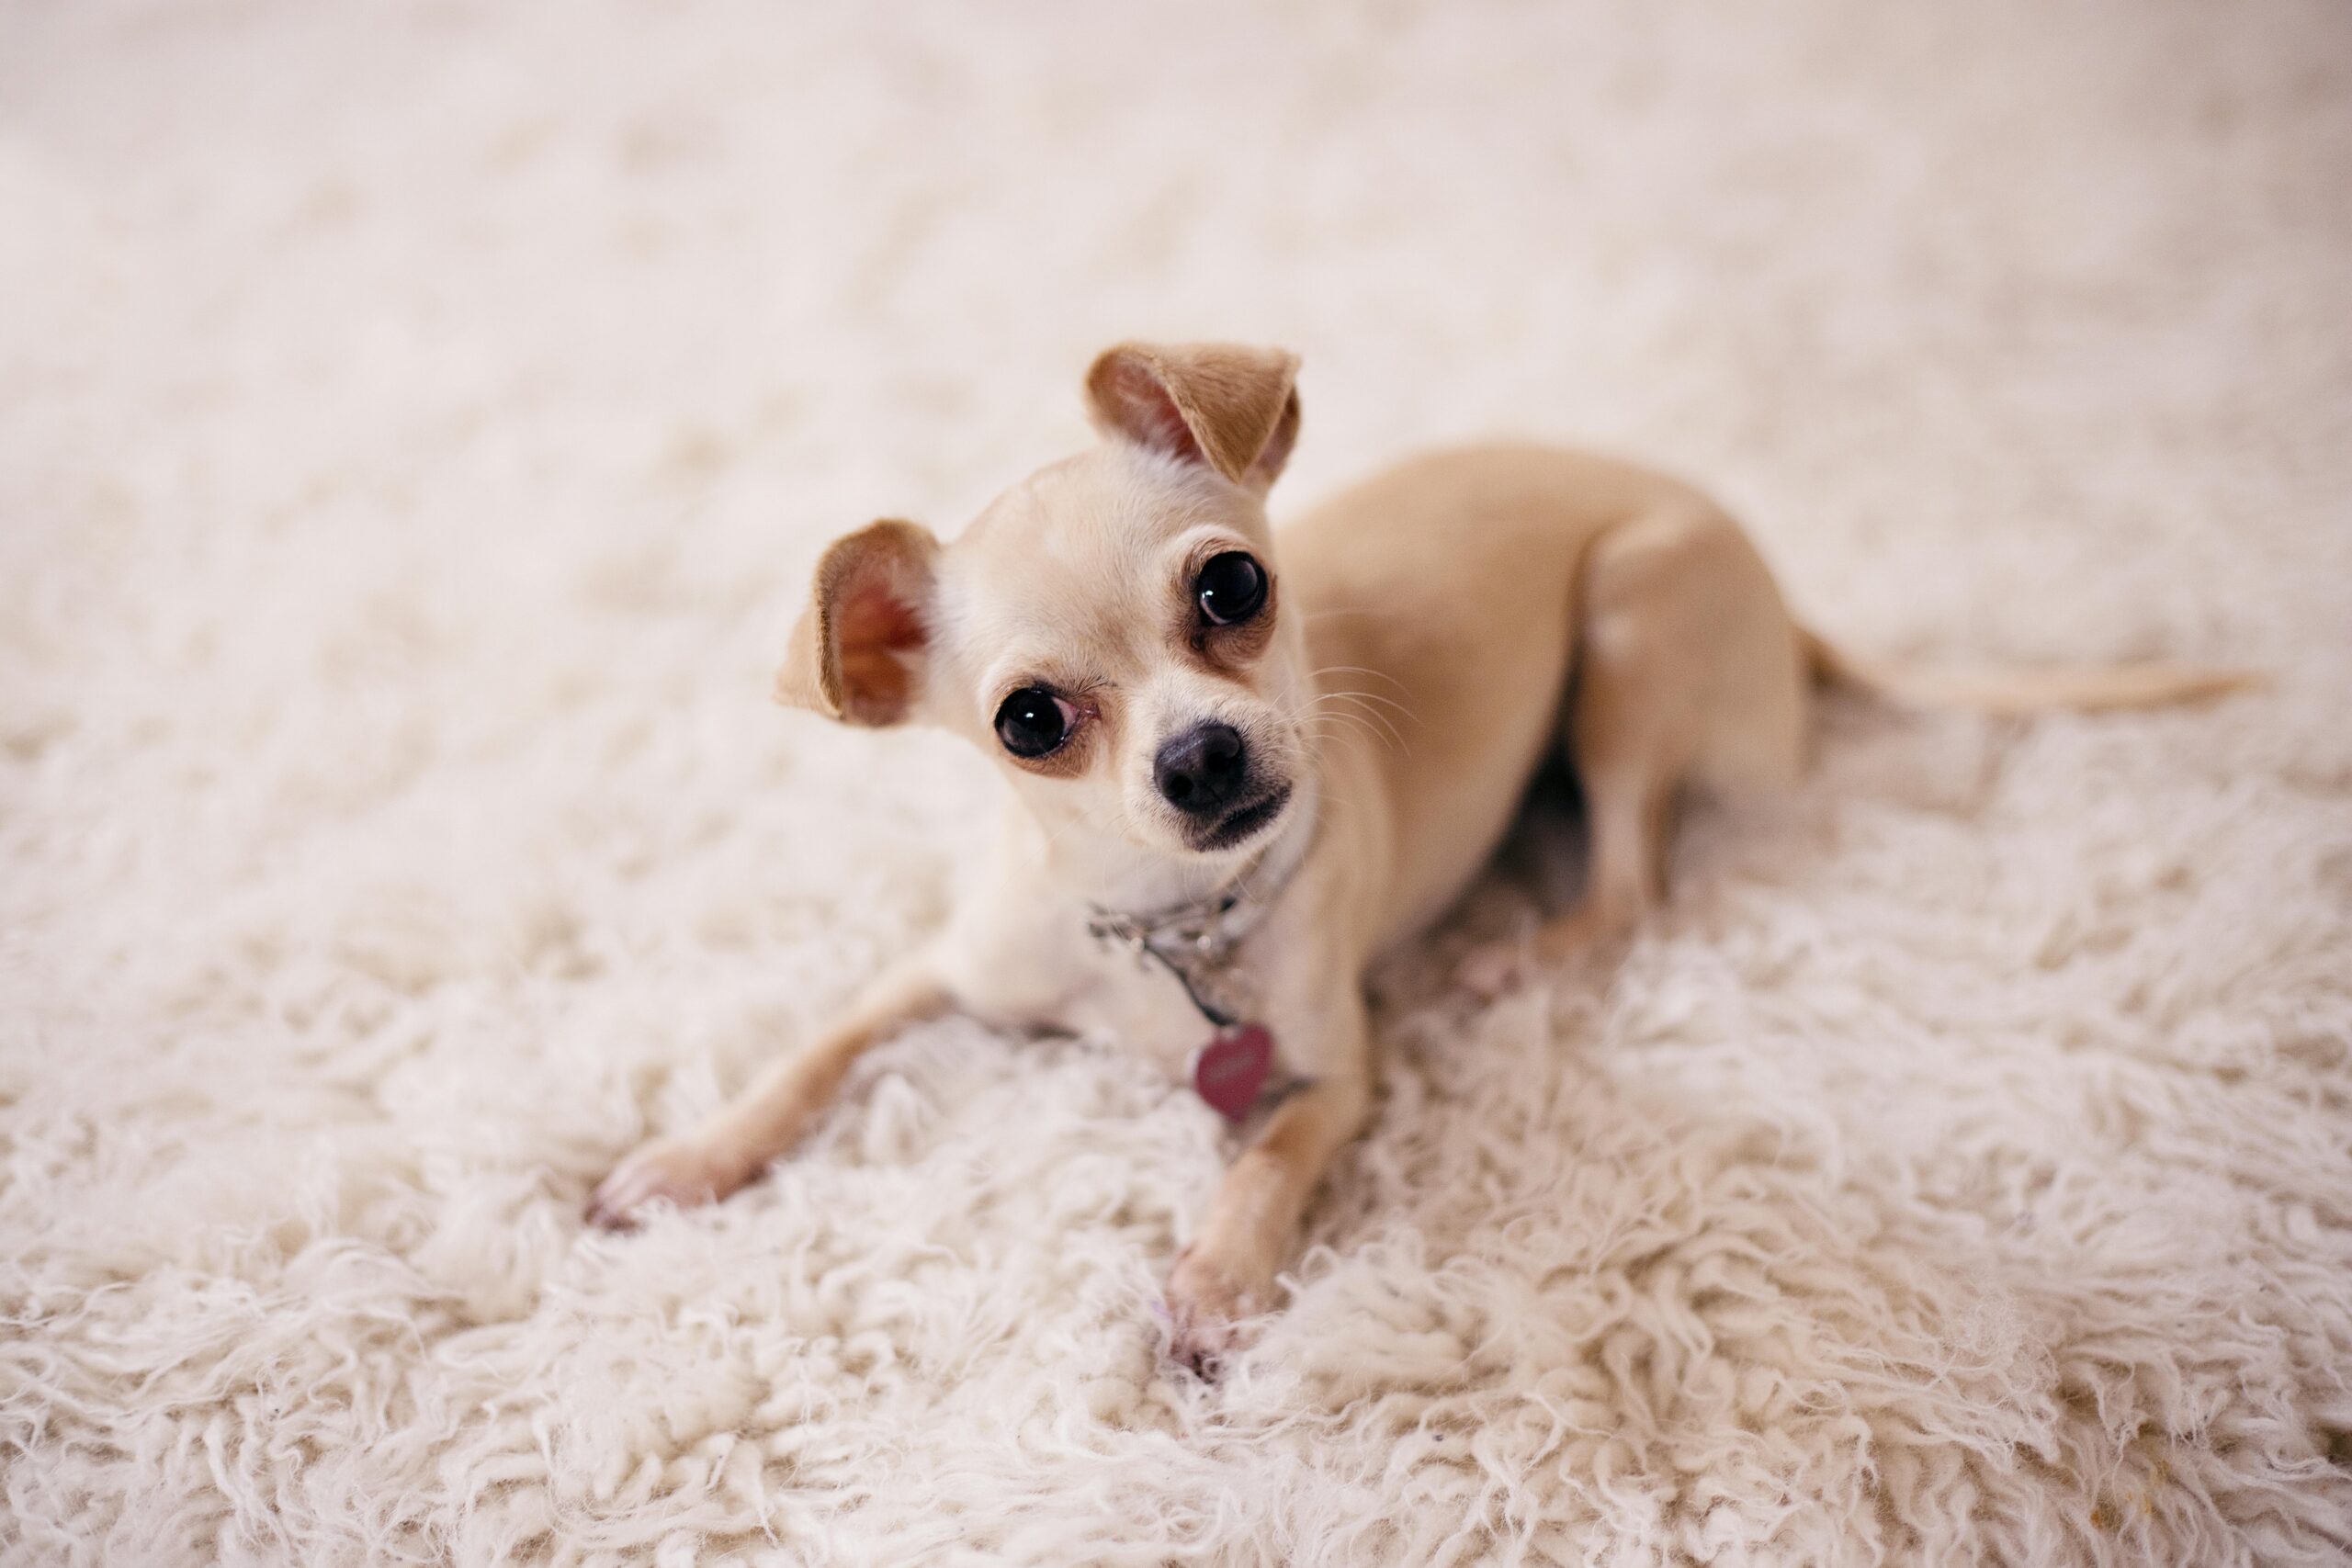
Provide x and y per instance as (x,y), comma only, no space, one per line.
(1350,693)
(1342,736)
(1365,719)
(1327,706)
(1374,697)
(1336,727)
(1369,714)
(1345,694)
(1360,669)
(1317,714)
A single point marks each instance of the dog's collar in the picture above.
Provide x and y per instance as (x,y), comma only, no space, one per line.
(1196,940)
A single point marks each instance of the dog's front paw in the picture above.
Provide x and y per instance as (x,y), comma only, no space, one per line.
(684,1170)
(1210,1295)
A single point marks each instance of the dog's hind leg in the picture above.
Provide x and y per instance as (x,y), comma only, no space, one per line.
(1687,668)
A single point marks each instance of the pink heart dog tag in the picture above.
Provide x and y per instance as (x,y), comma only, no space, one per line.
(1231,1068)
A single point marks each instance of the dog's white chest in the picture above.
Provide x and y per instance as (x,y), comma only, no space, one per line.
(1039,966)
(1140,1008)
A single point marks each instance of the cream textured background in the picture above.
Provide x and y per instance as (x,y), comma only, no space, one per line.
(416,425)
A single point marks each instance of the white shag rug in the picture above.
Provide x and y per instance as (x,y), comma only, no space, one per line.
(416,425)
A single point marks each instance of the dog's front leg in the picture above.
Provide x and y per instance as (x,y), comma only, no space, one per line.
(760,1124)
(1227,1273)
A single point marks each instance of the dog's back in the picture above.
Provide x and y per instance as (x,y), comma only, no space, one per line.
(1442,607)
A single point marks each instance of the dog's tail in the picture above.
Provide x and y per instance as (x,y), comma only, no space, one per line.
(2088,689)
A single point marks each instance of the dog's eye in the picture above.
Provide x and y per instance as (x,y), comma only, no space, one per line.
(1230,588)
(1033,721)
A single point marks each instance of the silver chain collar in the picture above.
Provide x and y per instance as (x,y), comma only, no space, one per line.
(1196,941)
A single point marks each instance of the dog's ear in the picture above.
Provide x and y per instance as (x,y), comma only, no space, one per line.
(859,652)
(1230,407)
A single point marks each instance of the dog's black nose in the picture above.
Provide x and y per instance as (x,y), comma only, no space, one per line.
(1200,772)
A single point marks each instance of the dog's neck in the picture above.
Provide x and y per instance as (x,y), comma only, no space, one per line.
(1144,884)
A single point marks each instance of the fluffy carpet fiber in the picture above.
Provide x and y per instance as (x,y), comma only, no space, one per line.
(417,425)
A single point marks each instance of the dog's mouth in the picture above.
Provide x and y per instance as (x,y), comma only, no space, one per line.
(1243,823)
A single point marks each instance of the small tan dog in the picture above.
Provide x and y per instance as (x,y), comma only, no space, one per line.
(1241,773)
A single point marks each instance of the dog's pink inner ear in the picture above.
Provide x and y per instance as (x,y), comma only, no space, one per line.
(877,632)
(1228,407)
(1139,405)
(858,651)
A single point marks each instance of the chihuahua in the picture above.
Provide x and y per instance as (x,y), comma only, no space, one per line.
(1241,769)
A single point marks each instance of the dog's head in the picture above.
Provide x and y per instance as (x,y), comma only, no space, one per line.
(1112,630)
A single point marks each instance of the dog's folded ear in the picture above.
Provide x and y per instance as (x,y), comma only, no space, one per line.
(858,654)
(1231,407)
